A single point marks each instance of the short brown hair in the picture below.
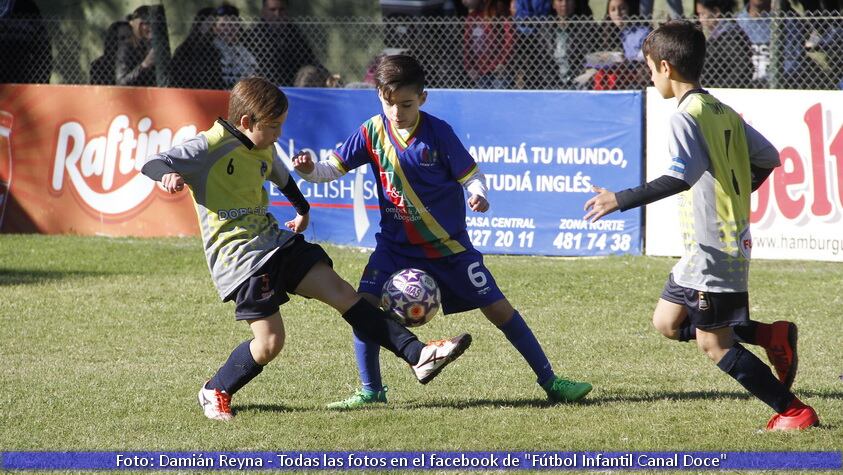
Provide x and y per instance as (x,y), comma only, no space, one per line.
(680,43)
(257,98)
(397,71)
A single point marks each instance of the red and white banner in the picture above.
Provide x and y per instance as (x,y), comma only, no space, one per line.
(70,158)
(798,213)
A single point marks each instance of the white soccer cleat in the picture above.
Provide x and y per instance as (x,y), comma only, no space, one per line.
(437,354)
(216,404)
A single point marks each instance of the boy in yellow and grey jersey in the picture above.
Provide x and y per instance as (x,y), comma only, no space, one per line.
(257,263)
(717,160)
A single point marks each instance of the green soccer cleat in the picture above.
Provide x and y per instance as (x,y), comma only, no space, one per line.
(361,399)
(562,390)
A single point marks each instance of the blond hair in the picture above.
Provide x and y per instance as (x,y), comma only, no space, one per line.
(257,98)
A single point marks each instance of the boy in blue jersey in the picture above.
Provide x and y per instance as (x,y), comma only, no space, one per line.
(717,161)
(423,172)
(254,261)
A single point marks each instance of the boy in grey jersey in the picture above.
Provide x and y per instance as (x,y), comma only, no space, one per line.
(717,160)
(256,262)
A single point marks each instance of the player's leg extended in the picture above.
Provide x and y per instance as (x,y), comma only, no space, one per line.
(323,284)
(516,330)
(367,355)
(243,365)
(720,346)
(778,339)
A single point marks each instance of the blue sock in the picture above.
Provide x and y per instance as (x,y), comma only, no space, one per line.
(368,362)
(522,338)
(240,368)
(756,377)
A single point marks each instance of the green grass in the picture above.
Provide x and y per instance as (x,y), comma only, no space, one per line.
(105,343)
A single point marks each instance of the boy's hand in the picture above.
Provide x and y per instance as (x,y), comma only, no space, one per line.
(600,205)
(299,223)
(478,203)
(302,163)
(172,183)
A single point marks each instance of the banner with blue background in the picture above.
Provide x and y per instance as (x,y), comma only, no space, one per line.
(541,153)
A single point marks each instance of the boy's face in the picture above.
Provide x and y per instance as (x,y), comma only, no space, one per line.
(402,108)
(660,75)
(263,134)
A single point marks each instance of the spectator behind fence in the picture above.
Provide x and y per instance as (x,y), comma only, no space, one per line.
(675,10)
(831,43)
(573,37)
(25,51)
(278,45)
(236,61)
(532,64)
(487,43)
(135,62)
(620,64)
(102,68)
(756,22)
(316,76)
(728,58)
(196,62)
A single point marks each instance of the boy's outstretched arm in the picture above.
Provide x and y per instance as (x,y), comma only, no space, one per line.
(160,171)
(316,172)
(606,201)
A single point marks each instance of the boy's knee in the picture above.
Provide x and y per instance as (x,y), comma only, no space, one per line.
(665,328)
(267,347)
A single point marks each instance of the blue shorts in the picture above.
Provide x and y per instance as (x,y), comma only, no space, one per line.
(463,279)
(709,310)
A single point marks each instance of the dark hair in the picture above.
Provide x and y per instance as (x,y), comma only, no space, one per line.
(111,37)
(680,43)
(227,10)
(257,98)
(397,71)
(142,12)
(725,6)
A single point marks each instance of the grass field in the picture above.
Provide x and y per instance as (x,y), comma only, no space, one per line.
(105,343)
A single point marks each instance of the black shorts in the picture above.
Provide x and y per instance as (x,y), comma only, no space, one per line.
(266,290)
(709,310)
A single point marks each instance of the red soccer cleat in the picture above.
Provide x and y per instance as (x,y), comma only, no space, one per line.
(781,350)
(215,404)
(797,416)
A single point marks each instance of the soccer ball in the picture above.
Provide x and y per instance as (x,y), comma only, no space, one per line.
(411,296)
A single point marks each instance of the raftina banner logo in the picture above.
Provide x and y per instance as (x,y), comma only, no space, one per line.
(77,151)
(103,166)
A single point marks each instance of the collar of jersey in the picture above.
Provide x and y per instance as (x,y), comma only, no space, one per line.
(692,91)
(400,141)
(236,133)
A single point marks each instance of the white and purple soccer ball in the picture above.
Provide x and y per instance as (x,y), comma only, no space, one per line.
(411,296)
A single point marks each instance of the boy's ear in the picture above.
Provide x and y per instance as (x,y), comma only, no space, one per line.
(664,66)
(246,122)
(422,98)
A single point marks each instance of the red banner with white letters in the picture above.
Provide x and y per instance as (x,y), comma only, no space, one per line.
(70,158)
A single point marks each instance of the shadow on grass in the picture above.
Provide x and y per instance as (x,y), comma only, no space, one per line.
(29,276)
(592,399)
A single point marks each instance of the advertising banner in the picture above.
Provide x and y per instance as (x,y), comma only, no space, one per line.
(541,153)
(70,158)
(798,212)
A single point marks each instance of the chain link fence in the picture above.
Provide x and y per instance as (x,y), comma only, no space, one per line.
(771,52)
